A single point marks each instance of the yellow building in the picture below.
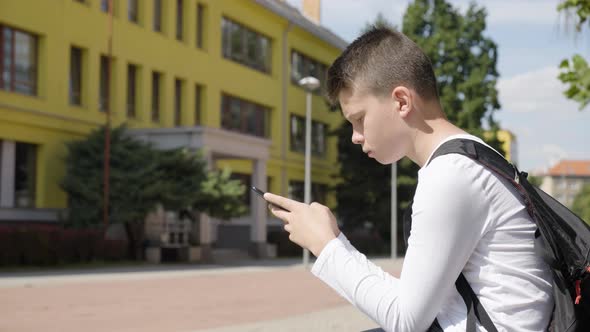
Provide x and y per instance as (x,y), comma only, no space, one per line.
(509,144)
(216,75)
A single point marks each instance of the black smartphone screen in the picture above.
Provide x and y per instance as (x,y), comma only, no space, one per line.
(258,191)
(261,194)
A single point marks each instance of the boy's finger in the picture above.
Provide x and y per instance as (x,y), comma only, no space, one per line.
(280,213)
(283,202)
(287,228)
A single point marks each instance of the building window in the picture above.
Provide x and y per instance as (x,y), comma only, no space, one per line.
(158,15)
(318,136)
(25,175)
(303,66)
(244,116)
(179,19)
(297,190)
(18,61)
(156,78)
(245,46)
(132,11)
(574,185)
(198,105)
(131,90)
(177,102)
(76,76)
(200,25)
(563,183)
(297,133)
(318,191)
(104,5)
(105,86)
(18,166)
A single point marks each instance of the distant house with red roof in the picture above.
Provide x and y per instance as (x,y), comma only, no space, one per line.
(564,180)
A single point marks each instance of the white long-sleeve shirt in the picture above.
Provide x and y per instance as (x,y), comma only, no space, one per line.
(464,219)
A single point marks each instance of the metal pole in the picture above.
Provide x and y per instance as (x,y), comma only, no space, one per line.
(107,134)
(394,210)
(307,184)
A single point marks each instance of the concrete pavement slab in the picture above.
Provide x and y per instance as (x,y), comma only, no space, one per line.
(267,295)
(344,318)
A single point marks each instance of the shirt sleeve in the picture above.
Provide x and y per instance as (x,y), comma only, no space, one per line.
(447,222)
(336,245)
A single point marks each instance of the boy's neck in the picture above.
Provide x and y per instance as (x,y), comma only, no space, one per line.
(426,141)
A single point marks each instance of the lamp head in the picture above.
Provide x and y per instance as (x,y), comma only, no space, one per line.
(309,83)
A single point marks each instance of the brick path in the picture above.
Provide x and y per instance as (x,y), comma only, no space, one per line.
(172,300)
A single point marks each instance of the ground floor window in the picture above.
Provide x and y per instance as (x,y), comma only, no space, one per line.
(18,166)
(318,191)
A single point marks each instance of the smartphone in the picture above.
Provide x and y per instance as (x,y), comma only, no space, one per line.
(261,194)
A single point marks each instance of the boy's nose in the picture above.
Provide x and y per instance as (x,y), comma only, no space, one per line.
(357,138)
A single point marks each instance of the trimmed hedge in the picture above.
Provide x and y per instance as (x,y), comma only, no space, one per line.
(43,245)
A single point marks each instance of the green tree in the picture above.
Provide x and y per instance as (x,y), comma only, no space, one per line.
(84,172)
(578,9)
(575,73)
(220,196)
(581,205)
(380,22)
(535,180)
(140,178)
(464,61)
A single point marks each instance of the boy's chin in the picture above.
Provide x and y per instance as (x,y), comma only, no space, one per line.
(387,161)
(383,162)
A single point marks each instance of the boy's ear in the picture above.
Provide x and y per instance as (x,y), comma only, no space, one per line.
(402,97)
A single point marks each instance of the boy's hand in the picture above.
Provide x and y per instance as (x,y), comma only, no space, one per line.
(310,226)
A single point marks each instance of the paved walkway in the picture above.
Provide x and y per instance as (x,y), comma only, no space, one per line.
(265,296)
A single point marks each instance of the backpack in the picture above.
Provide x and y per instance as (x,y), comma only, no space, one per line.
(562,239)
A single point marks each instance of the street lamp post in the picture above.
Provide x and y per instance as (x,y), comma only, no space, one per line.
(310,84)
(394,210)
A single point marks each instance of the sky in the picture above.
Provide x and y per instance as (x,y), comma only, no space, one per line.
(533,39)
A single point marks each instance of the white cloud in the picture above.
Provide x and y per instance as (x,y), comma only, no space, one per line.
(538,90)
(553,153)
(547,125)
(521,11)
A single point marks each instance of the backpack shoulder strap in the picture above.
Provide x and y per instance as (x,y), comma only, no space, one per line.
(474,308)
(479,152)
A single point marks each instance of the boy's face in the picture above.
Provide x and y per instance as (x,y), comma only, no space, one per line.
(376,124)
